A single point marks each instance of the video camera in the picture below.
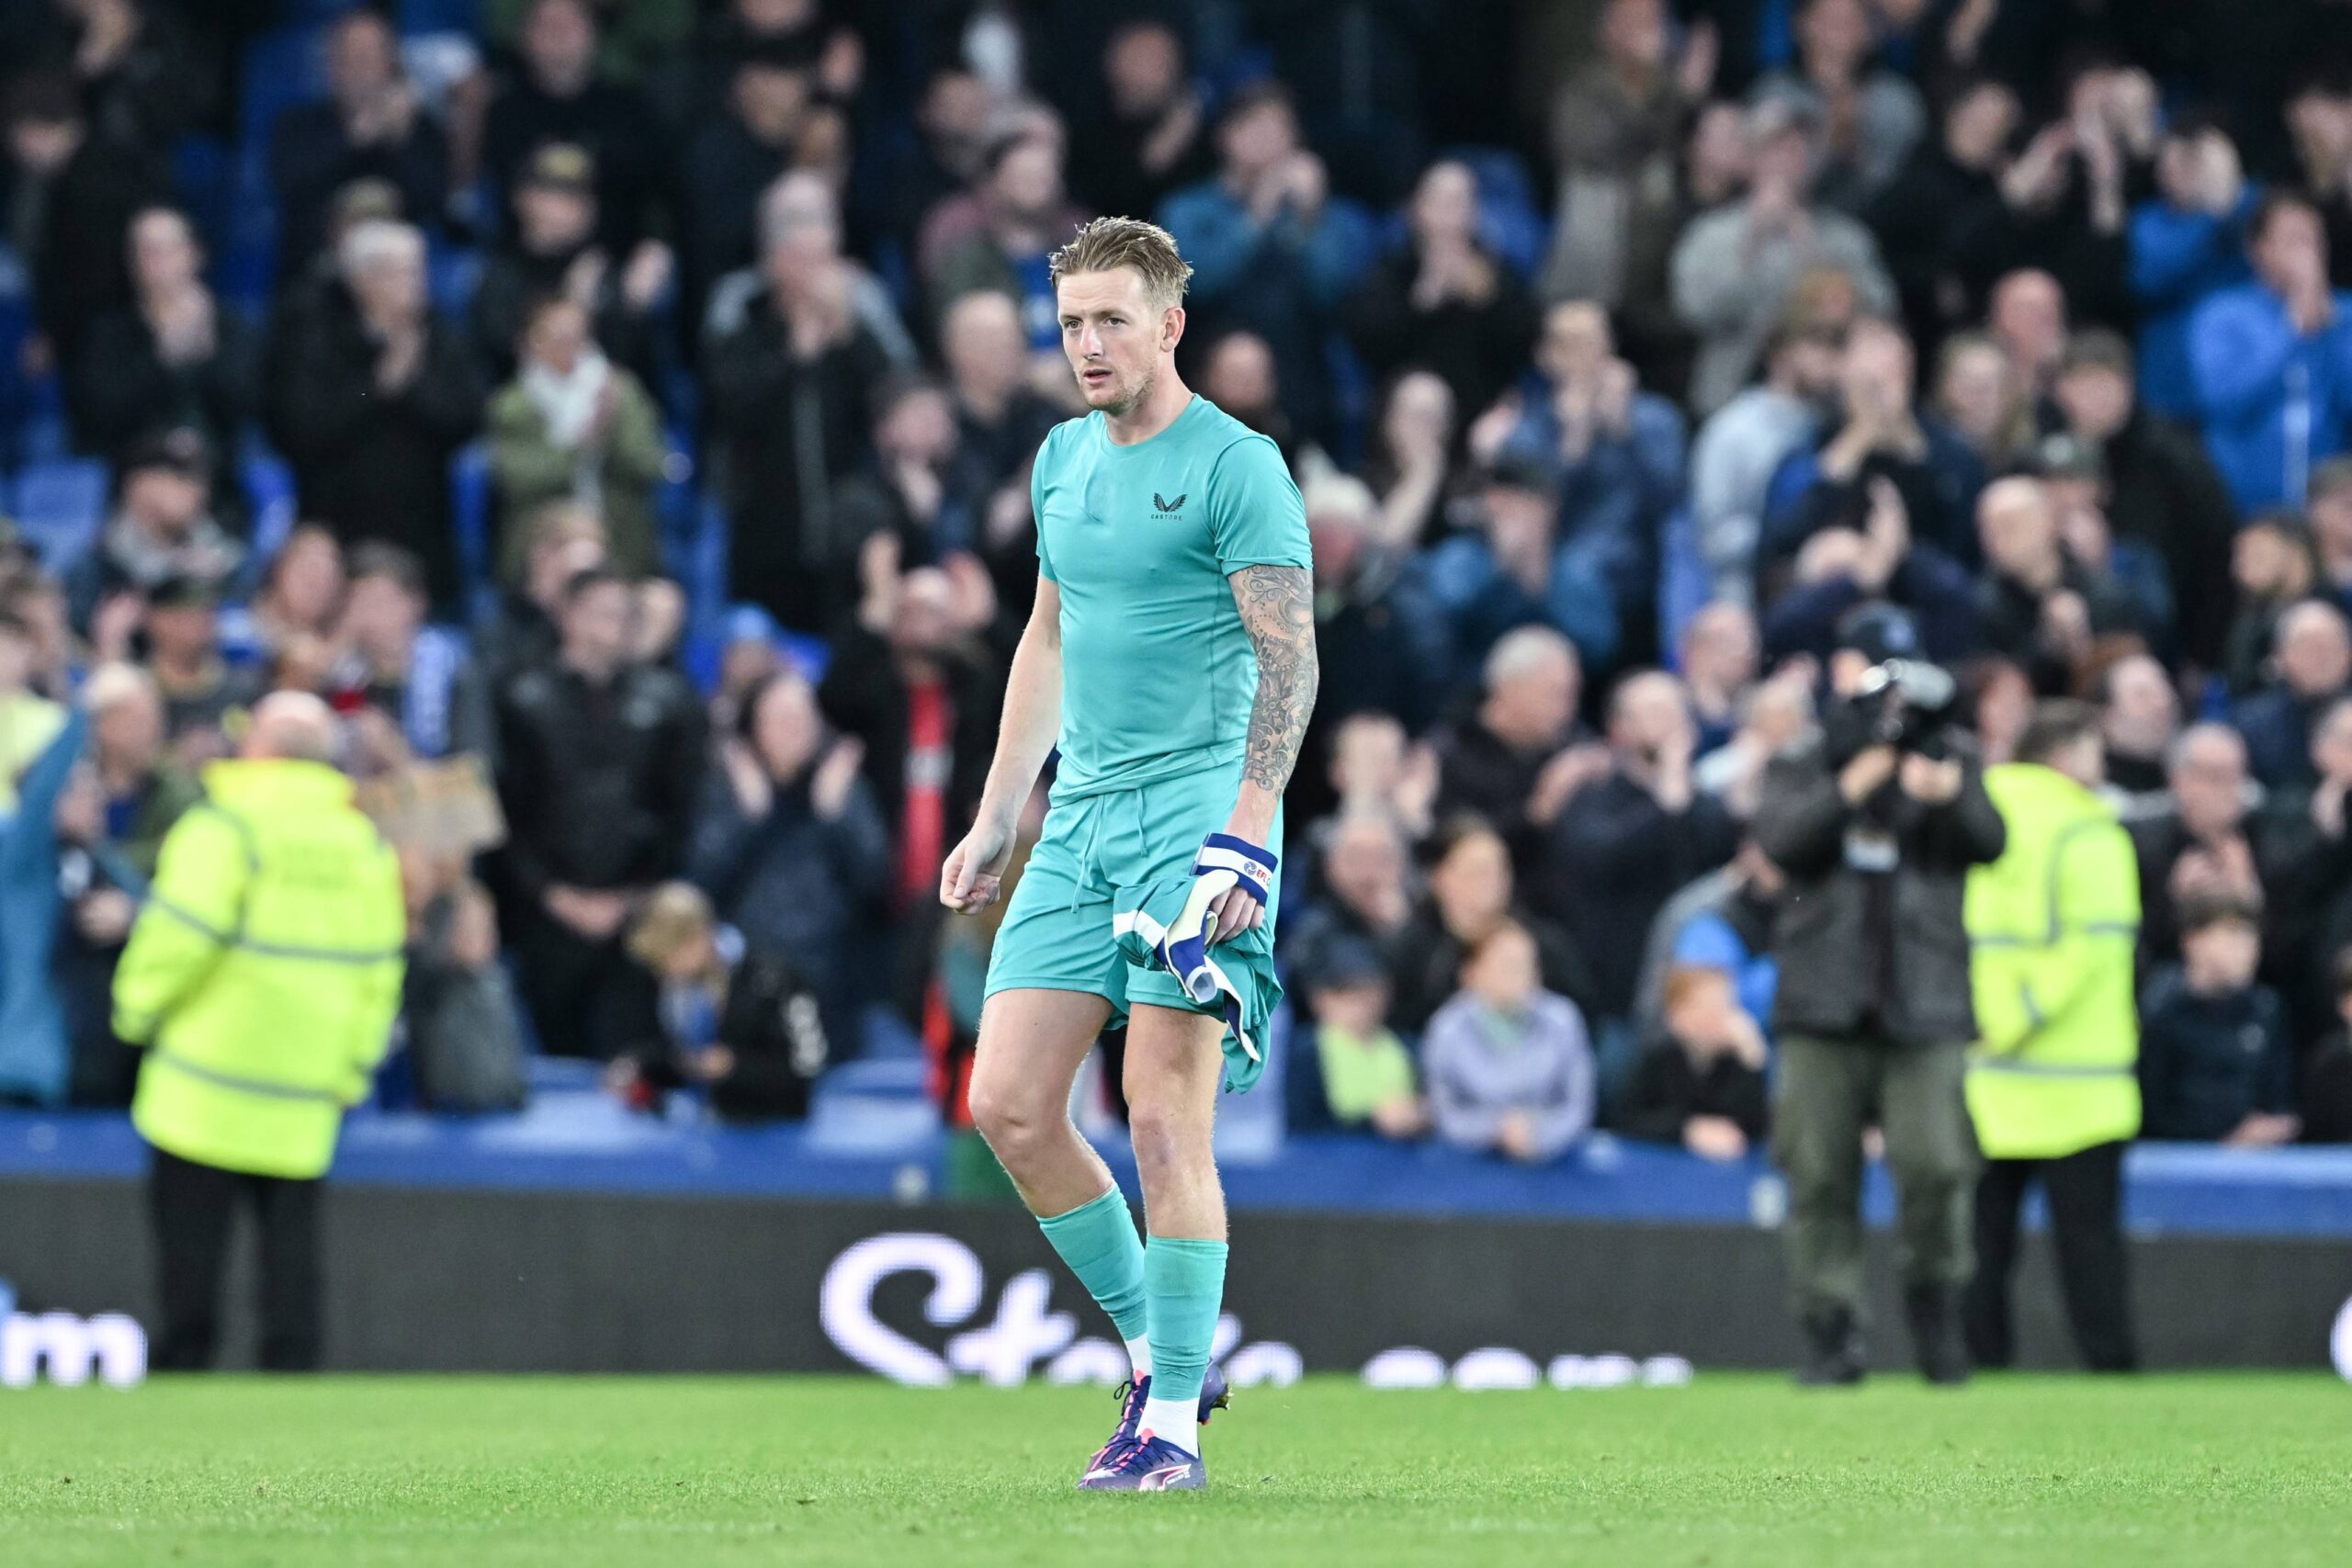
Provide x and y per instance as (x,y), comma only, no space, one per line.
(1909,704)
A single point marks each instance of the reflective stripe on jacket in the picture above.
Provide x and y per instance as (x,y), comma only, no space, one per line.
(264,972)
(2052,925)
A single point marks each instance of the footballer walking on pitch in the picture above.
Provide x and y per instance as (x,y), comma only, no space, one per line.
(1171,657)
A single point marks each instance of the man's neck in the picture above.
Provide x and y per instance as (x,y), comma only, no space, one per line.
(1503,734)
(154,302)
(1637,78)
(1827,71)
(566,86)
(1153,412)
(596,671)
(2214,987)
(2040,576)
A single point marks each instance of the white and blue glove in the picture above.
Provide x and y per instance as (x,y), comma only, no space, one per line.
(1231,884)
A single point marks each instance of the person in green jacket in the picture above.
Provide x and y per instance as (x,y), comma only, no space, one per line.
(2052,926)
(262,979)
(573,425)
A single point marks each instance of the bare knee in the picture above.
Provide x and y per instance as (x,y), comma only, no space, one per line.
(1167,1138)
(1016,1122)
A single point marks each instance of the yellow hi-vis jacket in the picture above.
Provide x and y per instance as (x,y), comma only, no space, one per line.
(2051,928)
(264,972)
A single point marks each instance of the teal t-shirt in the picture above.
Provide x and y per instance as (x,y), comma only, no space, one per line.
(1158,673)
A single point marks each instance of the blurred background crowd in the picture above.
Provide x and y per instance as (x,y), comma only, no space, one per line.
(622,410)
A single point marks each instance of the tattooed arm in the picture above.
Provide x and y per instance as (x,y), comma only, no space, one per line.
(1277,604)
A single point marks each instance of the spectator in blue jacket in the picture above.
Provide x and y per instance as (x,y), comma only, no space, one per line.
(2186,244)
(1272,250)
(1724,922)
(2216,1060)
(2314,656)
(1517,571)
(1616,451)
(35,1058)
(2273,360)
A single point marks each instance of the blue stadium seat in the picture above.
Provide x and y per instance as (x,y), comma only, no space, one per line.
(884,1077)
(1684,584)
(677,518)
(244,264)
(453,274)
(202,180)
(845,1118)
(61,504)
(471,495)
(440,16)
(270,493)
(15,323)
(283,67)
(701,565)
(42,433)
(561,1075)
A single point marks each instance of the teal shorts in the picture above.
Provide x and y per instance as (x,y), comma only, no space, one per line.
(1057,934)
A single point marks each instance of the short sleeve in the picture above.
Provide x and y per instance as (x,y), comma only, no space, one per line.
(1037,508)
(1256,517)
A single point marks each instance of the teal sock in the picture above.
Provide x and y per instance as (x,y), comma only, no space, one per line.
(1185,1282)
(1098,1240)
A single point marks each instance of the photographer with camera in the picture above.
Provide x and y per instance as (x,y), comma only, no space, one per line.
(1876,823)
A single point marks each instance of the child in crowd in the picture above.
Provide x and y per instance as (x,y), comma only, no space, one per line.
(1367,1072)
(1510,1064)
(2216,1063)
(463,1025)
(1701,1084)
(742,1023)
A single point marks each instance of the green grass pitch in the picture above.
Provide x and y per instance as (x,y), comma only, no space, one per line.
(505,1473)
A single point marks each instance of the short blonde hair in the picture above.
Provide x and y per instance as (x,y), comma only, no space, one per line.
(1103,244)
(675,914)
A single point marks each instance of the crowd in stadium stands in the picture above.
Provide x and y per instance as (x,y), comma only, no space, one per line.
(638,396)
